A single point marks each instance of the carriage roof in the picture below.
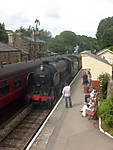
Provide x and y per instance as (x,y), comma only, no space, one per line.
(12,69)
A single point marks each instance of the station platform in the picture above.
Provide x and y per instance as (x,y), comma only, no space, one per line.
(66,129)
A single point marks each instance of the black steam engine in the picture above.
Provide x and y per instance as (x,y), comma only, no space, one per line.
(45,83)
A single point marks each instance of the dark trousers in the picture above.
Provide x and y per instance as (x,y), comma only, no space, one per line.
(68,101)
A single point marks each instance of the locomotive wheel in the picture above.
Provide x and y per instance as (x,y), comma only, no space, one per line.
(58,92)
(27,100)
(51,102)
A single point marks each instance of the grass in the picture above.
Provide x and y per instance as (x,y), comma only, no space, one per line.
(106,128)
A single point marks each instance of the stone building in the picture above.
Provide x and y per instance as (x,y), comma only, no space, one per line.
(31,48)
(9,54)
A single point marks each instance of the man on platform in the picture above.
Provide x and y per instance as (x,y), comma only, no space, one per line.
(67,95)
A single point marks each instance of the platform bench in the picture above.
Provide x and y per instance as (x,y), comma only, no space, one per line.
(92,114)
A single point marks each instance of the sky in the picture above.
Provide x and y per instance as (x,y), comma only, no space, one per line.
(79,16)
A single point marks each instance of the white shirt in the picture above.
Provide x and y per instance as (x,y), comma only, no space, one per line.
(66,91)
(84,110)
(92,94)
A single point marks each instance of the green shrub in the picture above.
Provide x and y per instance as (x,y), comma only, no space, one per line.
(103,78)
(105,111)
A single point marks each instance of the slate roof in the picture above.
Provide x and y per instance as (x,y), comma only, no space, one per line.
(12,69)
(7,48)
(96,57)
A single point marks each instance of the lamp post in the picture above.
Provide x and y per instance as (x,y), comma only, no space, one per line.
(33,43)
(35,36)
(37,22)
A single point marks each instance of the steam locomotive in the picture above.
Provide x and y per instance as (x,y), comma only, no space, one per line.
(45,83)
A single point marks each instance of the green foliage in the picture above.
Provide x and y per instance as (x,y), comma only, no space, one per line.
(87,43)
(107,128)
(104,25)
(67,40)
(57,45)
(63,42)
(45,35)
(103,78)
(110,48)
(3,33)
(105,111)
(107,37)
(25,31)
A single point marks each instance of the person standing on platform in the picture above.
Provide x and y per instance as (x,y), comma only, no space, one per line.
(89,77)
(67,95)
(85,79)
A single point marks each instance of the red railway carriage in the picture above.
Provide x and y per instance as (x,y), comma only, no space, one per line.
(13,81)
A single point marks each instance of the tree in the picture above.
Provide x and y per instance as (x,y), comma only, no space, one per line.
(67,40)
(107,37)
(3,33)
(57,45)
(25,31)
(87,43)
(62,43)
(103,26)
(45,35)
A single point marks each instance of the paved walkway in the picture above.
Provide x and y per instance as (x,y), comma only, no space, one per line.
(67,130)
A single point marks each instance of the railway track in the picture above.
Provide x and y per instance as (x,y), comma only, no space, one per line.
(20,130)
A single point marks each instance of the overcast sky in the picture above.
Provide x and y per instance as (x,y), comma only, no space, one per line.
(79,16)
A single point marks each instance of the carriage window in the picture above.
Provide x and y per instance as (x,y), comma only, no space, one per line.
(18,84)
(4,88)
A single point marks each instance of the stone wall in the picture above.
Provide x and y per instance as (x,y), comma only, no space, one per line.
(30,48)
